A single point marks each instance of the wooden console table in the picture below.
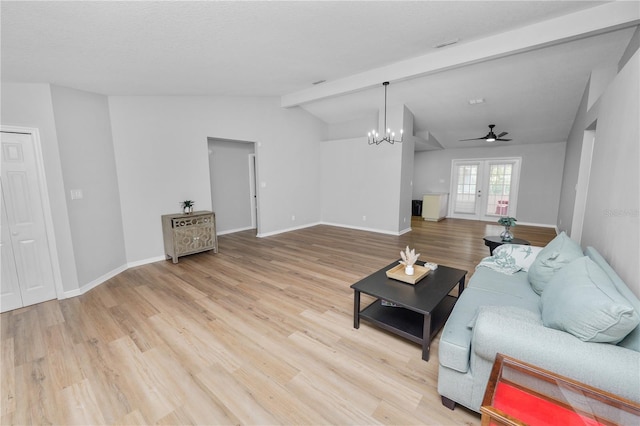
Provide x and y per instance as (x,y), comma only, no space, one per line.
(189,233)
(521,394)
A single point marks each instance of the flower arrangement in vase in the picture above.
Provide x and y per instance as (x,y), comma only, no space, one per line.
(409,258)
(187,206)
(507,222)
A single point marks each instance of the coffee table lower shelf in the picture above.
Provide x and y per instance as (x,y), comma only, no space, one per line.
(407,323)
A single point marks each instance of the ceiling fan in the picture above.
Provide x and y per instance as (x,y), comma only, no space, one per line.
(490,137)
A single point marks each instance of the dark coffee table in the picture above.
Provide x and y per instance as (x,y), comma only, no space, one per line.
(493,241)
(422,309)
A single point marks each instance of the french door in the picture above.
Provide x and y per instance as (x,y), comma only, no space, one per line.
(484,189)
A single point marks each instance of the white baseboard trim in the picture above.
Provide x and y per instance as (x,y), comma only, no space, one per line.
(539,225)
(282,231)
(93,284)
(233,231)
(361,228)
(404,231)
(339,225)
(145,261)
(85,288)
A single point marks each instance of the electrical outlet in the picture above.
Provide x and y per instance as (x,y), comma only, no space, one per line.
(293,218)
(364,218)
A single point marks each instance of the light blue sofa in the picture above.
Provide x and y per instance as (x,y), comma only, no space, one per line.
(502,313)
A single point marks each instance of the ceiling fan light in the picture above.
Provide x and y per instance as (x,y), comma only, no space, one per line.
(491,139)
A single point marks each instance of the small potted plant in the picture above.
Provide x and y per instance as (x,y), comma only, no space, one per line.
(187,206)
(409,258)
(507,222)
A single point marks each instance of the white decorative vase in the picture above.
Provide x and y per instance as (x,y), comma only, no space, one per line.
(408,270)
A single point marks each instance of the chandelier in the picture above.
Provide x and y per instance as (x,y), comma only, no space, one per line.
(373,137)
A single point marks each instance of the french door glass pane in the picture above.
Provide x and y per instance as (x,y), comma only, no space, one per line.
(499,189)
(465,201)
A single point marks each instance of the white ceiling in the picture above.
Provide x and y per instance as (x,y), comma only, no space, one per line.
(280,48)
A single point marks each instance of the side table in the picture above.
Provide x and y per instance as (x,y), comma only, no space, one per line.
(493,241)
(519,394)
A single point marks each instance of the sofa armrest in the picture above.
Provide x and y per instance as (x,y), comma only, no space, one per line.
(609,367)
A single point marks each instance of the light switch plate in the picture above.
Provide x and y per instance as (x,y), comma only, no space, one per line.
(76,194)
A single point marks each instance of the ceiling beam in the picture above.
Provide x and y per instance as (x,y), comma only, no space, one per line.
(596,20)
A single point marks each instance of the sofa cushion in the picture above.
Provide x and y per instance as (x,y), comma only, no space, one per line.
(515,285)
(486,288)
(559,252)
(581,299)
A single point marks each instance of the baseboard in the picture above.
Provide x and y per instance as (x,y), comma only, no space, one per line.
(404,231)
(93,284)
(539,225)
(145,261)
(233,231)
(282,231)
(361,228)
(85,288)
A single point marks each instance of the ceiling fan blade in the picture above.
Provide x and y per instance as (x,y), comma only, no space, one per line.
(474,139)
(506,140)
(503,134)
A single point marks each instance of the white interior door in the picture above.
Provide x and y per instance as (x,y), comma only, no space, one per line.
(484,189)
(10,297)
(23,222)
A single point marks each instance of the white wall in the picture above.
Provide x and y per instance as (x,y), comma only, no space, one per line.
(230,190)
(161,155)
(88,163)
(540,176)
(406,175)
(361,180)
(611,222)
(30,105)
(572,165)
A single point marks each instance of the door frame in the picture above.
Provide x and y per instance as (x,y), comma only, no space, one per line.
(582,184)
(253,189)
(44,198)
(482,186)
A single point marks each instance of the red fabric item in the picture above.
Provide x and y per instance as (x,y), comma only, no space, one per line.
(534,410)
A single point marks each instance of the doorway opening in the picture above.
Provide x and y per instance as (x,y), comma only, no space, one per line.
(234,194)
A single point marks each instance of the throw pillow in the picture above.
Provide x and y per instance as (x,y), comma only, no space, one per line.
(558,253)
(581,299)
(521,255)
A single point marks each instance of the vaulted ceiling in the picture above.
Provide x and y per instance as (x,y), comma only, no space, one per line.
(528,60)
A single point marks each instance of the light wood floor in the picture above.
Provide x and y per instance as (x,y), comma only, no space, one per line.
(260,333)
